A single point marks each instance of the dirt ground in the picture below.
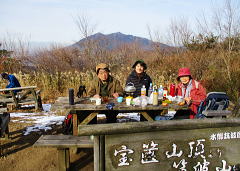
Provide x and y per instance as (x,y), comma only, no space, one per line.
(18,154)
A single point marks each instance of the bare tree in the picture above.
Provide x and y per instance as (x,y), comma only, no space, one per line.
(84,25)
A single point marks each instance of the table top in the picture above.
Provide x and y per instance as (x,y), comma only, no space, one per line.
(86,104)
(18,88)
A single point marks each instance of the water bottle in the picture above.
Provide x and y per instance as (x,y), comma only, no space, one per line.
(150,90)
(143,91)
(155,97)
(160,92)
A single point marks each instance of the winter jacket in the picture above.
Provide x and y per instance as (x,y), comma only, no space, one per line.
(113,87)
(13,82)
(197,94)
(139,82)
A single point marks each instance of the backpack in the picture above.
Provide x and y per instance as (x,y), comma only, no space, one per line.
(81,91)
(217,101)
(214,101)
(68,124)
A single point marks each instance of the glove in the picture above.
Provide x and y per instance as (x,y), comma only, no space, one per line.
(110,106)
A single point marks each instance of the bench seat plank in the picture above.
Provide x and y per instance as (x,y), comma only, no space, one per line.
(216,112)
(64,141)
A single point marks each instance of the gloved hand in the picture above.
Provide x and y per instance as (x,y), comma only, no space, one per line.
(110,106)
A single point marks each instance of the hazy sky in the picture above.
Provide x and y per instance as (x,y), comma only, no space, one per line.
(54,20)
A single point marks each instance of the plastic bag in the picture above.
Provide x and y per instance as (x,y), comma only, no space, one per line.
(150,100)
(144,101)
(137,101)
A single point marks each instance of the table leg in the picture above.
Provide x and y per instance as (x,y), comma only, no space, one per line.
(89,118)
(35,99)
(145,114)
(14,99)
(75,124)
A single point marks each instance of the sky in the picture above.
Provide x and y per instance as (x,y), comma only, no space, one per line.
(55,20)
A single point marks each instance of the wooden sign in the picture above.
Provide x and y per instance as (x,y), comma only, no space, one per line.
(197,149)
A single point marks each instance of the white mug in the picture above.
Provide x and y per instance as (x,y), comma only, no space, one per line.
(98,101)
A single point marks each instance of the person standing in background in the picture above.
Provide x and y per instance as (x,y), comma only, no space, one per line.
(12,81)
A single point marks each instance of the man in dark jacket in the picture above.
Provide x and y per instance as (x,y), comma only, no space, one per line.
(13,82)
(139,77)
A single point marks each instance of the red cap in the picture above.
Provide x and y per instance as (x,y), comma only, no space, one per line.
(184,72)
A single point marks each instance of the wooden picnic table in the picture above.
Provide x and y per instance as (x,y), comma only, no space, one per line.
(86,110)
(25,95)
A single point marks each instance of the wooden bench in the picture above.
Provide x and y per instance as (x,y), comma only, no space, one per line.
(63,143)
(217,113)
(26,95)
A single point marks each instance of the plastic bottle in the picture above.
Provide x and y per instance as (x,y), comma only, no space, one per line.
(155,97)
(150,90)
(160,92)
(143,91)
(172,90)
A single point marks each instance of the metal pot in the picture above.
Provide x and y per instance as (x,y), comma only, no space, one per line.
(130,88)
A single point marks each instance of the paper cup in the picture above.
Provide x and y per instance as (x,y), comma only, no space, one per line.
(98,101)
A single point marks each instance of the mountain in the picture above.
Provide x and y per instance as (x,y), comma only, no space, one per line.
(115,40)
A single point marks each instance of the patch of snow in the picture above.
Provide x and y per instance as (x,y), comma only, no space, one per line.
(41,120)
(46,119)
(46,107)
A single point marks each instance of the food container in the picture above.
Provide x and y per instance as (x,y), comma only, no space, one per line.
(128,100)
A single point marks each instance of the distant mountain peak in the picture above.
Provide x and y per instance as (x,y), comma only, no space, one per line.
(115,40)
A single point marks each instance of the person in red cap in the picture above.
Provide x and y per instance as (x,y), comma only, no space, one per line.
(191,90)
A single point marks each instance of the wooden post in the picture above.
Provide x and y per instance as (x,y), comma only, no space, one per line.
(102,152)
(96,152)
(63,159)
(99,153)
(4,121)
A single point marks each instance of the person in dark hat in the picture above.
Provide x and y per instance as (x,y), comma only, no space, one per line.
(13,81)
(139,77)
(191,90)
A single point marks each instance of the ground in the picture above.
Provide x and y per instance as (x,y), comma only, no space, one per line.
(18,154)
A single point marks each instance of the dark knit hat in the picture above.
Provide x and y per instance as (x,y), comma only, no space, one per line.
(141,62)
(4,75)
